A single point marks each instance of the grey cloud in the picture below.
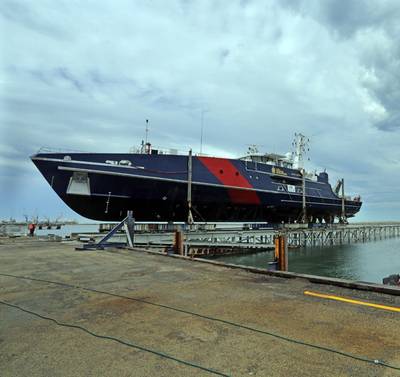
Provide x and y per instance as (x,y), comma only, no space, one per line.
(374,30)
(244,3)
(262,70)
(65,74)
(173,102)
(82,82)
(391,123)
(223,55)
(99,79)
(348,17)
(23,13)
(385,67)
(103,80)
(41,76)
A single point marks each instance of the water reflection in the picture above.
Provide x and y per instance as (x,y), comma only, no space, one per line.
(370,261)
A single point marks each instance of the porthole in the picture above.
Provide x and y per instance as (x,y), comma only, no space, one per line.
(237,174)
(221,171)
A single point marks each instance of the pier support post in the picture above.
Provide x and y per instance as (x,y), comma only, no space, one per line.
(281,251)
(178,242)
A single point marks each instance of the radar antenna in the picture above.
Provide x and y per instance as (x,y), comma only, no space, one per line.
(300,145)
(252,149)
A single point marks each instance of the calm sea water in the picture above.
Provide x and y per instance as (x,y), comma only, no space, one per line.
(371,261)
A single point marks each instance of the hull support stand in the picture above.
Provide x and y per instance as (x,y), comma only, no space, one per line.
(343,217)
(128,223)
(304,219)
(189,189)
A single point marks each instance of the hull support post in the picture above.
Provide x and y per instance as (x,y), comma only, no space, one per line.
(343,217)
(189,189)
(304,203)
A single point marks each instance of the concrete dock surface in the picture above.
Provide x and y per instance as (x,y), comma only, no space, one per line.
(33,346)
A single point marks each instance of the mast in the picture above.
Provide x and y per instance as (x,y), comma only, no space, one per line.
(147,131)
(300,148)
(147,145)
(300,145)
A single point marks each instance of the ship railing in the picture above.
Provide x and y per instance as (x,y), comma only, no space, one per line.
(154,150)
(45,149)
(356,198)
(167,151)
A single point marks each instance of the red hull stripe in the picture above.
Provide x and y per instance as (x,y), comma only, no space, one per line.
(228,175)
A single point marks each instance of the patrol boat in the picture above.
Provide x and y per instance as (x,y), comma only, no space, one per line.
(165,186)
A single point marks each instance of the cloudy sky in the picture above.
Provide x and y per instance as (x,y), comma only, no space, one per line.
(84,75)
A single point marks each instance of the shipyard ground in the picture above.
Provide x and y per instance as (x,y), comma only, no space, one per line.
(31,346)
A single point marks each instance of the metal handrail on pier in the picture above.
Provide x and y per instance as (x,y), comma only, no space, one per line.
(224,241)
(296,237)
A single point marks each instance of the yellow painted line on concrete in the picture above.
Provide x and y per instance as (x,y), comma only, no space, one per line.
(351,301)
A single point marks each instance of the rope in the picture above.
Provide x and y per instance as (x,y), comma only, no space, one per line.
(275,335)
(123,342)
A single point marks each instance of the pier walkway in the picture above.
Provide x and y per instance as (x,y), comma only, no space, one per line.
(196,242)
(167,316)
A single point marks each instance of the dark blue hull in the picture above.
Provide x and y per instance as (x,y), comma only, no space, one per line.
(105,186)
